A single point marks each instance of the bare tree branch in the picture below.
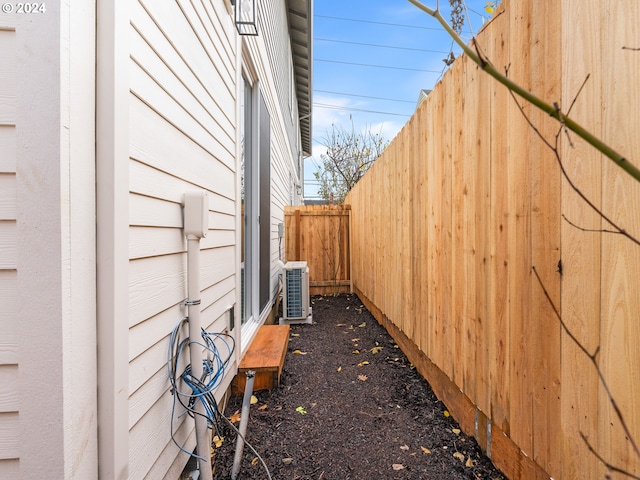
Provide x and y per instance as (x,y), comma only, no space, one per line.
(572,125)
(593,358)
(555,149)
(611,467)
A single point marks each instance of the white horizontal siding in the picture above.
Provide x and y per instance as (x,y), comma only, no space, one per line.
(182,137)
(149,241)
(9,435)
(8,244)
(9,384)
(8,148)
(9,468)
(7,196)
(8,319)
(8,79)
(153,182)
(155,284)
(159,144)
(9,397)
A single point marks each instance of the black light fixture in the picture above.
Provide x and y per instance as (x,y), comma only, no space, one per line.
(245,17)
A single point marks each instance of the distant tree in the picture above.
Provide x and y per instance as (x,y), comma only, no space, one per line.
(348,157)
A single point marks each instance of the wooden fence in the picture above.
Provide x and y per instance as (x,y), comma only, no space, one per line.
(452,225)
(319,235)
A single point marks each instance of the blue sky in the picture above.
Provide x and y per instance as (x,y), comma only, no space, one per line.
(374,34)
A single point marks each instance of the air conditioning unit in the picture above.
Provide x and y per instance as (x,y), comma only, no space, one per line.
(295,304)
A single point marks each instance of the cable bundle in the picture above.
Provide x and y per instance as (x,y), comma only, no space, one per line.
(198,389)
(201,389)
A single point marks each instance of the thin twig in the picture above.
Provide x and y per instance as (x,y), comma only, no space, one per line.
(591,230)
(555,150)
(593,358)
(571,124)
(611,467)
(575,99)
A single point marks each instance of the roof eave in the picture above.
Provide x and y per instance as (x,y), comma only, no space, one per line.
(300,14)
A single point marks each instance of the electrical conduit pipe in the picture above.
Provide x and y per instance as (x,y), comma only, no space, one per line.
(196,210)
(244,421)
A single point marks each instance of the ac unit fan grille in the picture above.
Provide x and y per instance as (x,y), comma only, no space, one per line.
(294,288)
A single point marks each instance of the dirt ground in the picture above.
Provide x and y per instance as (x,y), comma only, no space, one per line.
(350,406)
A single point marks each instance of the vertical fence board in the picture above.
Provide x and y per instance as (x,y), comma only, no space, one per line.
(544,339)
(498,280)
(320,236)
(448,223)
(466,242)
(620,329)
(519,243)
(581,251)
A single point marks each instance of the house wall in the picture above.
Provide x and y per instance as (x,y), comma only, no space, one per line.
(182,136)
(9,398)
(109,113)
(48,415)
(184,83)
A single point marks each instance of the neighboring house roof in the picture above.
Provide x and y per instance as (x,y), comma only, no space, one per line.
(301,31)
(423,95)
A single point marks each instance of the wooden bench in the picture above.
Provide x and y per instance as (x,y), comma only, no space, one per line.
(265,356)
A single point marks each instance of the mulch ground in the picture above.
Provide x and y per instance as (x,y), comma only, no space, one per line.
(350,406)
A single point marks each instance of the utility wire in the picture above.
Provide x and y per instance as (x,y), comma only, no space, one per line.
(376,66)
(365,96)
(337,107)
(379,46)
(377,23)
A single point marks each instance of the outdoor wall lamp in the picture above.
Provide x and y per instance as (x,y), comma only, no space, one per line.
(245,16)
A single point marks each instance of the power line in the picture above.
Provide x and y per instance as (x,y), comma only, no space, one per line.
(376,66)
(380,46)
(377,23)
(366,96)
(339,107)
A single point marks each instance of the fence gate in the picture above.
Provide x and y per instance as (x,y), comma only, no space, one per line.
(320,236)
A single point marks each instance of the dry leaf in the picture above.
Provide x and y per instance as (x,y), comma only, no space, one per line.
(469,463)
(355,339)
(459,456)
(376,350)
(404,447)
(217,441)
(287,461)
(298,352)
(397,466)
(456,431)
(262,407)
(339,369)
(255,461)
(362,364)
(356,352)
(235,418)
(362,378)
(446,413)
(340,325)
(425,450)
(254,399)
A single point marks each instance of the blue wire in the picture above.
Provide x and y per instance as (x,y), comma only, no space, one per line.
(202,390)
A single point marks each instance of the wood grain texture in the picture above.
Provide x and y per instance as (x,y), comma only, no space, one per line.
(319,235)
(619,328)
(483,319)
